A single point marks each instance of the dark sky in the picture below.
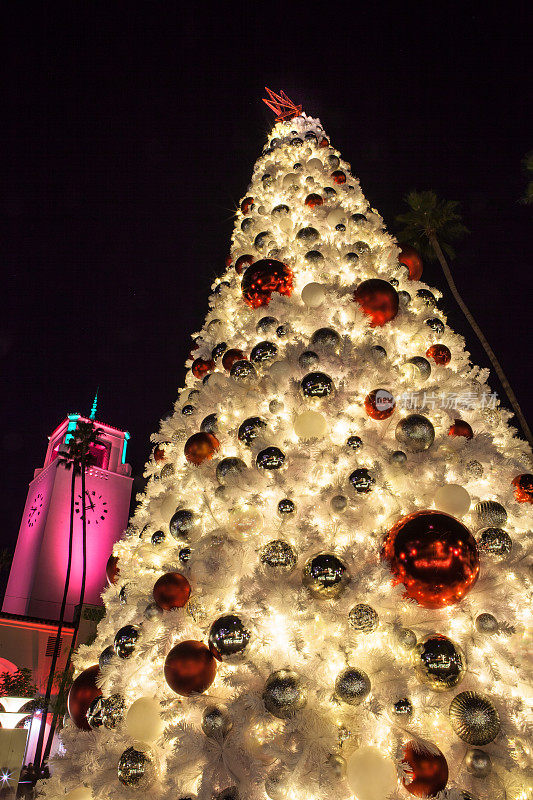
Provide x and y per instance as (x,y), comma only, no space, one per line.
(130,131)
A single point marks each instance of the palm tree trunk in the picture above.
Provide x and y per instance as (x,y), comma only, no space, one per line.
(55,654)
(78,620)
(480,335)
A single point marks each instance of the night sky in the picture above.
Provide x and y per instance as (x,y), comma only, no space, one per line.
(129,135)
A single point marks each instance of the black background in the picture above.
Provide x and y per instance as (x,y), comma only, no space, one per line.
(129,134)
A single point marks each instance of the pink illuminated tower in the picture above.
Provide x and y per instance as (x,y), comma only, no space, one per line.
(36,580)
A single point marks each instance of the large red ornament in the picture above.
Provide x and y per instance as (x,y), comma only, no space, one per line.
(231,356)
(262,279)
(202,366)
(439,353)
(435,557)
(171,590)
(461,428)
(112,569)
(324,142)
(427,768)
(411,259)
(160,451)
(82,692)
(313,200)
(229,261)
(523,491)
(200,447)
(379,404)
(378,299)
(190,667)
(243,262)
(247,204)
(339,176)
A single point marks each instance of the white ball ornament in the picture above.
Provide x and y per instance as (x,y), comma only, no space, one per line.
(336,216)
(81,793)
(246,521)
(370,774)
(168,506)
(453,499)
(313,295)
(143,720)
(310,425)
(280,371)
(315,163)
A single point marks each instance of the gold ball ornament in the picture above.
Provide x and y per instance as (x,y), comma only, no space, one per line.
(474,718)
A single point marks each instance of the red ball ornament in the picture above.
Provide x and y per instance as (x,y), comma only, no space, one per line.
(200,447)
(243,262)
(262,279)
(461,428)
(202,366)
(324,142)
(379,404)
(411,259)
(229,261)
(112,569)
(231,356)
(427,769)
(82,692)
(435,557)
(523,490)
(171,590)
(246,204)
(378,299)
(190,667)
(160,451)
(339,176)
(314,200)
(439,353)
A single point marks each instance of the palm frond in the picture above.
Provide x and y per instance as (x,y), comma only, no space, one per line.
(430,216)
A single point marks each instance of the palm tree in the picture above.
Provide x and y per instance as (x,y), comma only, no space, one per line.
(76,456)
(85,435)
(528,167)
(432,225)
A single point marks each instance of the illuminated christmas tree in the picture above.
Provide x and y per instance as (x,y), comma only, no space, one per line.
(323,593)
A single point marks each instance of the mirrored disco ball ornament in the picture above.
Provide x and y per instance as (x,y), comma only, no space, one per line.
(435,557)
(264,351)
(243,372)
(439,663)
(354,443)
(362,480)
(182,523)
(94,713)
(278,556)
(286,507)
(250,429)
(325,576)
(262,279)
(490,512)
(215,723)
(126,640)
(478,763)
(284,694)
(436,325)
(209,424)
(157,538)
(363,618)
(270,458)
(136,768)
(228,637)
(415,433)
(113,709)
(229,469)
(474,718)
(316,386)
(494,542)
(327,339)
(487,623)
(352,686)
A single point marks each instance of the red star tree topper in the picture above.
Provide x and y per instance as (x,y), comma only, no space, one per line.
(281,105)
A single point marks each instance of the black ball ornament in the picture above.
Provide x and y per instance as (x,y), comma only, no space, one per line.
(106,656)
(314,257)
(427,297)
(327,339)
(228,637)
(282,330)
(267,325)
(229,469)
(362,480)
(264,351)
(325,576)
(352,686)
(286,507)
(182,523)
(126,640)
(219,350)
(354,443)
(209,424)
(308,235)
(250,429)
(316,386)
(188,410)
(436,325)
(439,662)
(157,538)
(308,359)
(184,555)
(270,458)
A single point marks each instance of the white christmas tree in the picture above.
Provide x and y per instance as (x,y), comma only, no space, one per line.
(323,593)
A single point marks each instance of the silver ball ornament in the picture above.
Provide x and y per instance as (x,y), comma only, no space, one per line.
(474,469)
(243,372)
(490,512)
(352,686)
(106,656)
(495,542)
(326,338)
(126,640)
(474,718)
(403,708)
(363,618)
(398,457)
(338,503)
(278,556)
(337,765)
(420,366)
(94,713)
(325,576)
(405,637)
(215,723)
(478,763)
(228,637)
(308,359)
(487,623)
(415,433)
(283,694)
(229,469)
(136,768)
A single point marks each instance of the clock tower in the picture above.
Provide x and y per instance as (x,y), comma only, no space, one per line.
(37,576)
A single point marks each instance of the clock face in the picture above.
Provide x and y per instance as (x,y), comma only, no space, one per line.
(95,507)
(35,509)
